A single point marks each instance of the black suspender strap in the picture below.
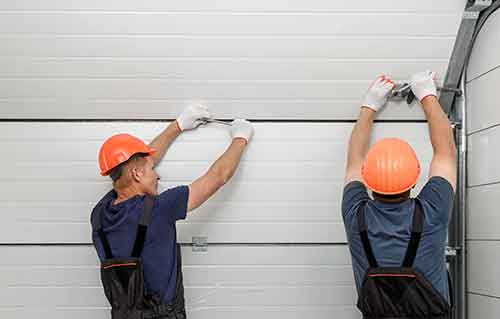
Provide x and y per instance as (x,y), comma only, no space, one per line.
(100,232)
(144,221)
(416,234)
(363,233)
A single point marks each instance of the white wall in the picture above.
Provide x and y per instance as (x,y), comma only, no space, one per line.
(483,220)
(287,190)
(280,244)
(264,59)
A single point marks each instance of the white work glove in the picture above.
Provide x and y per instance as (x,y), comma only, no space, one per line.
(192,117)
(242,129)
(423,85)
(378,93)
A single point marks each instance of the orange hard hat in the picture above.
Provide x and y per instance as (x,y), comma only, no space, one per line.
(391,167)
(118,149)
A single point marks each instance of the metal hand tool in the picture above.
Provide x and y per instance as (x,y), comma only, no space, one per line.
(209,120)
(403,90)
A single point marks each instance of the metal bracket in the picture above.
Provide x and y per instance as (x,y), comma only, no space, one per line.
(456,125)
(478,5)
(452,251)
(199,244)
(403,91)
(461,50)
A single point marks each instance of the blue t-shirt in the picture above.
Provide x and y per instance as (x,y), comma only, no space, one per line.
(389,231)
(159,255)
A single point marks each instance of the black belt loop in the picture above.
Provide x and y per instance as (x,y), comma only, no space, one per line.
(416,234)
(144,221)
(363,233)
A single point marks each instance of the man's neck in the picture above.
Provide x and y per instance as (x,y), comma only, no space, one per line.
(126,193)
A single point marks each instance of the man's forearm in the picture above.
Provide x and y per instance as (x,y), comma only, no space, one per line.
(360,138)
(227,163)
(440,130)
(162,142)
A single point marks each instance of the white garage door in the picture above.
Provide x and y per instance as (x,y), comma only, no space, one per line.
(75,72)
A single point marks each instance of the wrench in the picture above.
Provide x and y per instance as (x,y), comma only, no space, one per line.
(209,120)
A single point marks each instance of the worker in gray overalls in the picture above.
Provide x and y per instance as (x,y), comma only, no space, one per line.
(397,243)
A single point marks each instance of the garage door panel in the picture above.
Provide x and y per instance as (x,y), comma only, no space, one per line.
(287,190)
(223,23)
(227,276)
(484,55)
(482,109)
(483,157)
(82,131)
(242,232)
(280,180)
(142,89)
(482,306)
(261,279)
(195,296)
(213,69)
(218,255)
(238,5)
(291,312)
(213,211)
(226,46)
(224,109)
(483,256)
(482,213)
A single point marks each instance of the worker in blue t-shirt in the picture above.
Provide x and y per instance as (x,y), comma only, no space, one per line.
(131,165)
(397,243)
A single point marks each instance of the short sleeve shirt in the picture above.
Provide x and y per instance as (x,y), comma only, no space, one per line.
(389,230)
(159,255)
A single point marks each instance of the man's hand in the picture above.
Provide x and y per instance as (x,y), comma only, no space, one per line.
(423,85)
(242,129)
(378,93)
(192,117)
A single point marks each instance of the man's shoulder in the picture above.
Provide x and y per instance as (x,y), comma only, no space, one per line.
(436,185)
(354,194)
(100,207)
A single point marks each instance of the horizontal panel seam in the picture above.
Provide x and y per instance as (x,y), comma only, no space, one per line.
(483,295)
(482,185)
(481,130)
(483,74)
(298,244)
(257,120)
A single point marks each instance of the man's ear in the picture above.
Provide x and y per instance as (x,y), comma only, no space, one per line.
(136,172)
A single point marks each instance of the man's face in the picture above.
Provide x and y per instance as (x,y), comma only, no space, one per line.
(147,177)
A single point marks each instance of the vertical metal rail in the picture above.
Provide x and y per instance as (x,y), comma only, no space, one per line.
(457,229)
(461,50)
(455,107)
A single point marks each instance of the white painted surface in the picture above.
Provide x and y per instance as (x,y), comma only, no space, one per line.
(222,283)
(484,156)
(424,6)
(485,55)
(67,108)
(288,188)
(483,307)
(127,59)
(241,24)
(483,222)
(260,60)
(484,273)
(483,109)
